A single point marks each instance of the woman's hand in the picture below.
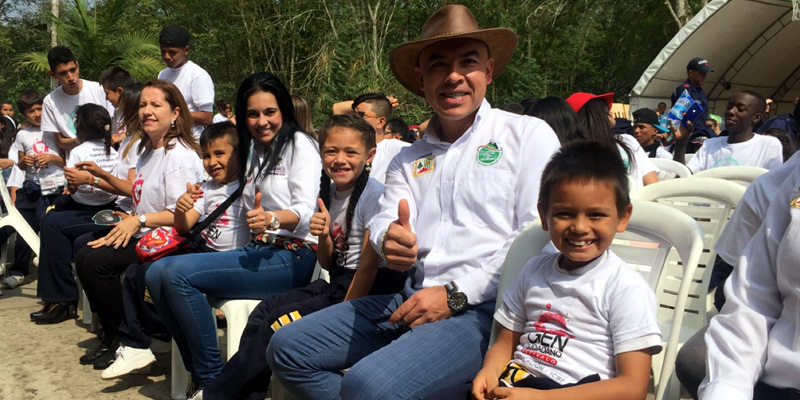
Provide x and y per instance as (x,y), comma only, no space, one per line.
(257,217)
(187,200)
(90,167)
(77,177)
(119,236)
(320,224)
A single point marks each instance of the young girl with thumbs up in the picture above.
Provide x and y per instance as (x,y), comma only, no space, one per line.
(348,200)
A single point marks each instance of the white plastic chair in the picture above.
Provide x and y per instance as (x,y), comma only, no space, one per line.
(742,175)
(13,218)
(665,245)
(665,164)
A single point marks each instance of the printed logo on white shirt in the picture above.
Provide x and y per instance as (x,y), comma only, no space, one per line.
(423,165)
(489,154)
(136,190)
(795,203)
(725,162)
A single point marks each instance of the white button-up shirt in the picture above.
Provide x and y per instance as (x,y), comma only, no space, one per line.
(468,199)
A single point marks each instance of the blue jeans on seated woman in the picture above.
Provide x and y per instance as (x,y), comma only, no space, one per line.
(178,286)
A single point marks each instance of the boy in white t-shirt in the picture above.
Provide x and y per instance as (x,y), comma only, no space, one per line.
(742,146)
(43,162)
(219,144)
(580,322)
(194,82)
(114,80)
(376,109)
(58,109)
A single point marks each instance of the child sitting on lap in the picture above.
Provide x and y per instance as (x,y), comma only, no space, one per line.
(580,322)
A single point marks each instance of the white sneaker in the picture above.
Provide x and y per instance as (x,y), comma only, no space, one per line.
(129,359)
(13,281)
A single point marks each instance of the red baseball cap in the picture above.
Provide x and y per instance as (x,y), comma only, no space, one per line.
(577,100)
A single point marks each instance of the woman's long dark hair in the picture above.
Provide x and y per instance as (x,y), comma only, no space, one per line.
(367,134)
(7,136)
(92,122)
(265,82)
(560,116)
(594,119)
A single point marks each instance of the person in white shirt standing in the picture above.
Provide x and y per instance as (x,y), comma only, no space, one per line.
(376,109)
(58,110)
(454,202)
(194,82)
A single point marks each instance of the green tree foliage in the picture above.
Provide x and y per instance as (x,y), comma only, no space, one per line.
(333,50)
(96,38)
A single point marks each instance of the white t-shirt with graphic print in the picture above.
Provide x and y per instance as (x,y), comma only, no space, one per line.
(574,323)
(93,150)
(161,179)
(33,140)
(58,109)
(230,230)
(368,205)
(760,151)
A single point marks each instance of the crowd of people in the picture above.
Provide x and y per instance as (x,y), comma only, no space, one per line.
(161,204)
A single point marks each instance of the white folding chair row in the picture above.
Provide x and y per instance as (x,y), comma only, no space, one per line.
(742,175)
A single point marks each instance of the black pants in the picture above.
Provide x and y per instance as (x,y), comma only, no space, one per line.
(141,321)
(247,375)
(99,270)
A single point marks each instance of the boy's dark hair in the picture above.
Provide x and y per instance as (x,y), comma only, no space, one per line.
(367,133)
(219,130)
(221,103)
(59,55)
(115,77)
(586,161)
(381,105)
(29,98)
(761,101)
(7,102)
(93,122)
(396,124)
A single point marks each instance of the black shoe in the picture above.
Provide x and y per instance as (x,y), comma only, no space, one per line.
(105,360)
(59,313)
(93,355)
(44,309)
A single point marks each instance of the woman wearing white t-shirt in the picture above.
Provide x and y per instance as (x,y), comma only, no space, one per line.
(169,158)
(281,193)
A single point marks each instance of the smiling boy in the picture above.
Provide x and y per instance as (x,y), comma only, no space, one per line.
(742,146)
(580,323)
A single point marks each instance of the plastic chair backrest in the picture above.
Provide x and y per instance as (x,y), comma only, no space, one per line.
(12,217)
(665,245)
(528,244)
(665,164)
(710,202)
(743,175)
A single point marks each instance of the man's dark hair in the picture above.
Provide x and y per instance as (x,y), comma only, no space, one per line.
(59,55)
(219,130)
(381,105)
(584,162)
(28,99)
(396,124)
(115,77)
(661,102)
(761,101)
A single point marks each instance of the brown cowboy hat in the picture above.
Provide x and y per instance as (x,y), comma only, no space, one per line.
(452,21)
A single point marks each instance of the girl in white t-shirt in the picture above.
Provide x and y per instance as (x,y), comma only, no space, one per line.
(347,145)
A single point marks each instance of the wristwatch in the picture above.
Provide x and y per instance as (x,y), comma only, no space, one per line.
(274,223)
(456,300)
(143,220)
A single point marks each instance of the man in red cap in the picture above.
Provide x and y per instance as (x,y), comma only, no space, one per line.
(454,202)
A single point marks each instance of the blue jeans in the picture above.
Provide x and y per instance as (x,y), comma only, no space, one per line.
(178,286)
(385,361)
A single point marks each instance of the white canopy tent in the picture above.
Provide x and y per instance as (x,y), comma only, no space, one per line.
(751,44)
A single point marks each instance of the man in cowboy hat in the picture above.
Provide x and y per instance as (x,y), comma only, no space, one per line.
(454,202)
